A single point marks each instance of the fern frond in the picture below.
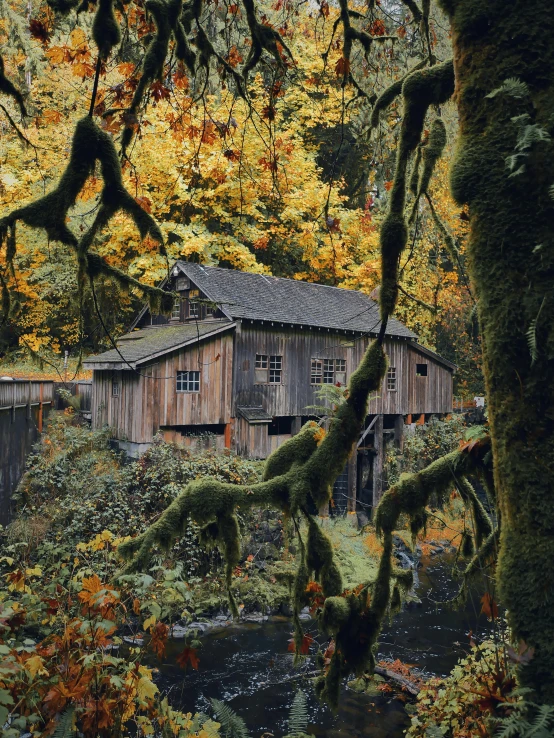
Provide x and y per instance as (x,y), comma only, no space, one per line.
(512,87)
(232,726)
(532,335)
(298,716)
(64,728)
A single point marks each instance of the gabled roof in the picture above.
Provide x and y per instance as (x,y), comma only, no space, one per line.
(260,297)
(145,345)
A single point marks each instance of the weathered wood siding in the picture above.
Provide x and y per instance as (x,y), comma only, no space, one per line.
(149,400)
(24,407)
(298,347)
(430,394)
(294,395)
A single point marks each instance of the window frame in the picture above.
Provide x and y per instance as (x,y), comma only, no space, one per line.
(327,370)
(116,384)
(392,379)
(420,372)
(176,305)
(188,385)
(268,369)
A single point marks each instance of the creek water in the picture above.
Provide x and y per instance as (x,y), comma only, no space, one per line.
(248,665)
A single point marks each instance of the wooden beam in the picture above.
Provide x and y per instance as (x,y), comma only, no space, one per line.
(367,430)
(379,445)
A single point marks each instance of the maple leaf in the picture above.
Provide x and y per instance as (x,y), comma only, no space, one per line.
(268,112)
(159,92)
(158,640)
(145,203)
(58,54)
(489,606)
(234,57)
(35,665)
(377,28)
(39,30)
(388,185)
(232,154)
(91,587)
(307,641)
(188,655)
(342,67)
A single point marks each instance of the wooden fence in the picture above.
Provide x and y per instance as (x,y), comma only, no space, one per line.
(24,407)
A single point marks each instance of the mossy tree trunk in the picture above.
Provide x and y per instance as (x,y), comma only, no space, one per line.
(511,252)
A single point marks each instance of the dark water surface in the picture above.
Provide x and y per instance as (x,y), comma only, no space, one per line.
(249,666)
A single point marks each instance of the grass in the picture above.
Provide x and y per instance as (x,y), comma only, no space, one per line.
(30,369)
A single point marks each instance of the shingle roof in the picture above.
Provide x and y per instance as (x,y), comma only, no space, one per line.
(260,297)
(139,346)
(254,414)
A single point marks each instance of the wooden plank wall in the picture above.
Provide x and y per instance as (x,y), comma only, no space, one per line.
(149,400)
(430,394)
(24,407)
(298,348)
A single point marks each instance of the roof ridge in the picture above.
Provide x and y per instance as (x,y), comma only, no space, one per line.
(272,276)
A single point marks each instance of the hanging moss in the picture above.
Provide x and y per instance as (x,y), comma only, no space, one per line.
(105,28)
(481,519)
(431,153)
(467,548)
(420,90)
(8,88)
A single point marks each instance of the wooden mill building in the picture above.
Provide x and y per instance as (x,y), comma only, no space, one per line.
(241,361)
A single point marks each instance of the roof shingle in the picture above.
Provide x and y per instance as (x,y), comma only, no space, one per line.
(138,346)
(261,297)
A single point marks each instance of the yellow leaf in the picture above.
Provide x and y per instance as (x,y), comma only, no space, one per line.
(35,665)
(149,622)
(146,690)
(36,572)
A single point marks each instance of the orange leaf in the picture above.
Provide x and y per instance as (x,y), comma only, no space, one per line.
(489,606)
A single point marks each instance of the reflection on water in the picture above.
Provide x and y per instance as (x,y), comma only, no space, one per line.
(249,667)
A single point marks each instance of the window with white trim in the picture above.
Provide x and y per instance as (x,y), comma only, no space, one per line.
(268,369)
(328,371)
(188,381)
(316,373)
(391,379)
(116,387)
(194,309)
(176,311)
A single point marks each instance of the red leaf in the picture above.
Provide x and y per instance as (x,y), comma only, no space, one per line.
(307,641)
(188,655)
(342,67)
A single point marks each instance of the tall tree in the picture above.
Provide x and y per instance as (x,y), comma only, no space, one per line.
(504,171)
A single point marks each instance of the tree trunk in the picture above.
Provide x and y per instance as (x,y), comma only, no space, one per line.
(511,255)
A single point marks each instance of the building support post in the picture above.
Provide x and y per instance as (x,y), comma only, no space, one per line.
(379,447)
(352,480)
(399,432)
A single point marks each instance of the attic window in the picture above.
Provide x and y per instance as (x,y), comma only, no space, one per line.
(269,369)
(391,379)
(421,370)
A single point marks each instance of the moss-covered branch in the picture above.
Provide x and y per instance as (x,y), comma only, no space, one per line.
(420,90)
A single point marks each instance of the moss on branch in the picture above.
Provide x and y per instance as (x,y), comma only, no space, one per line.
(420,90)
